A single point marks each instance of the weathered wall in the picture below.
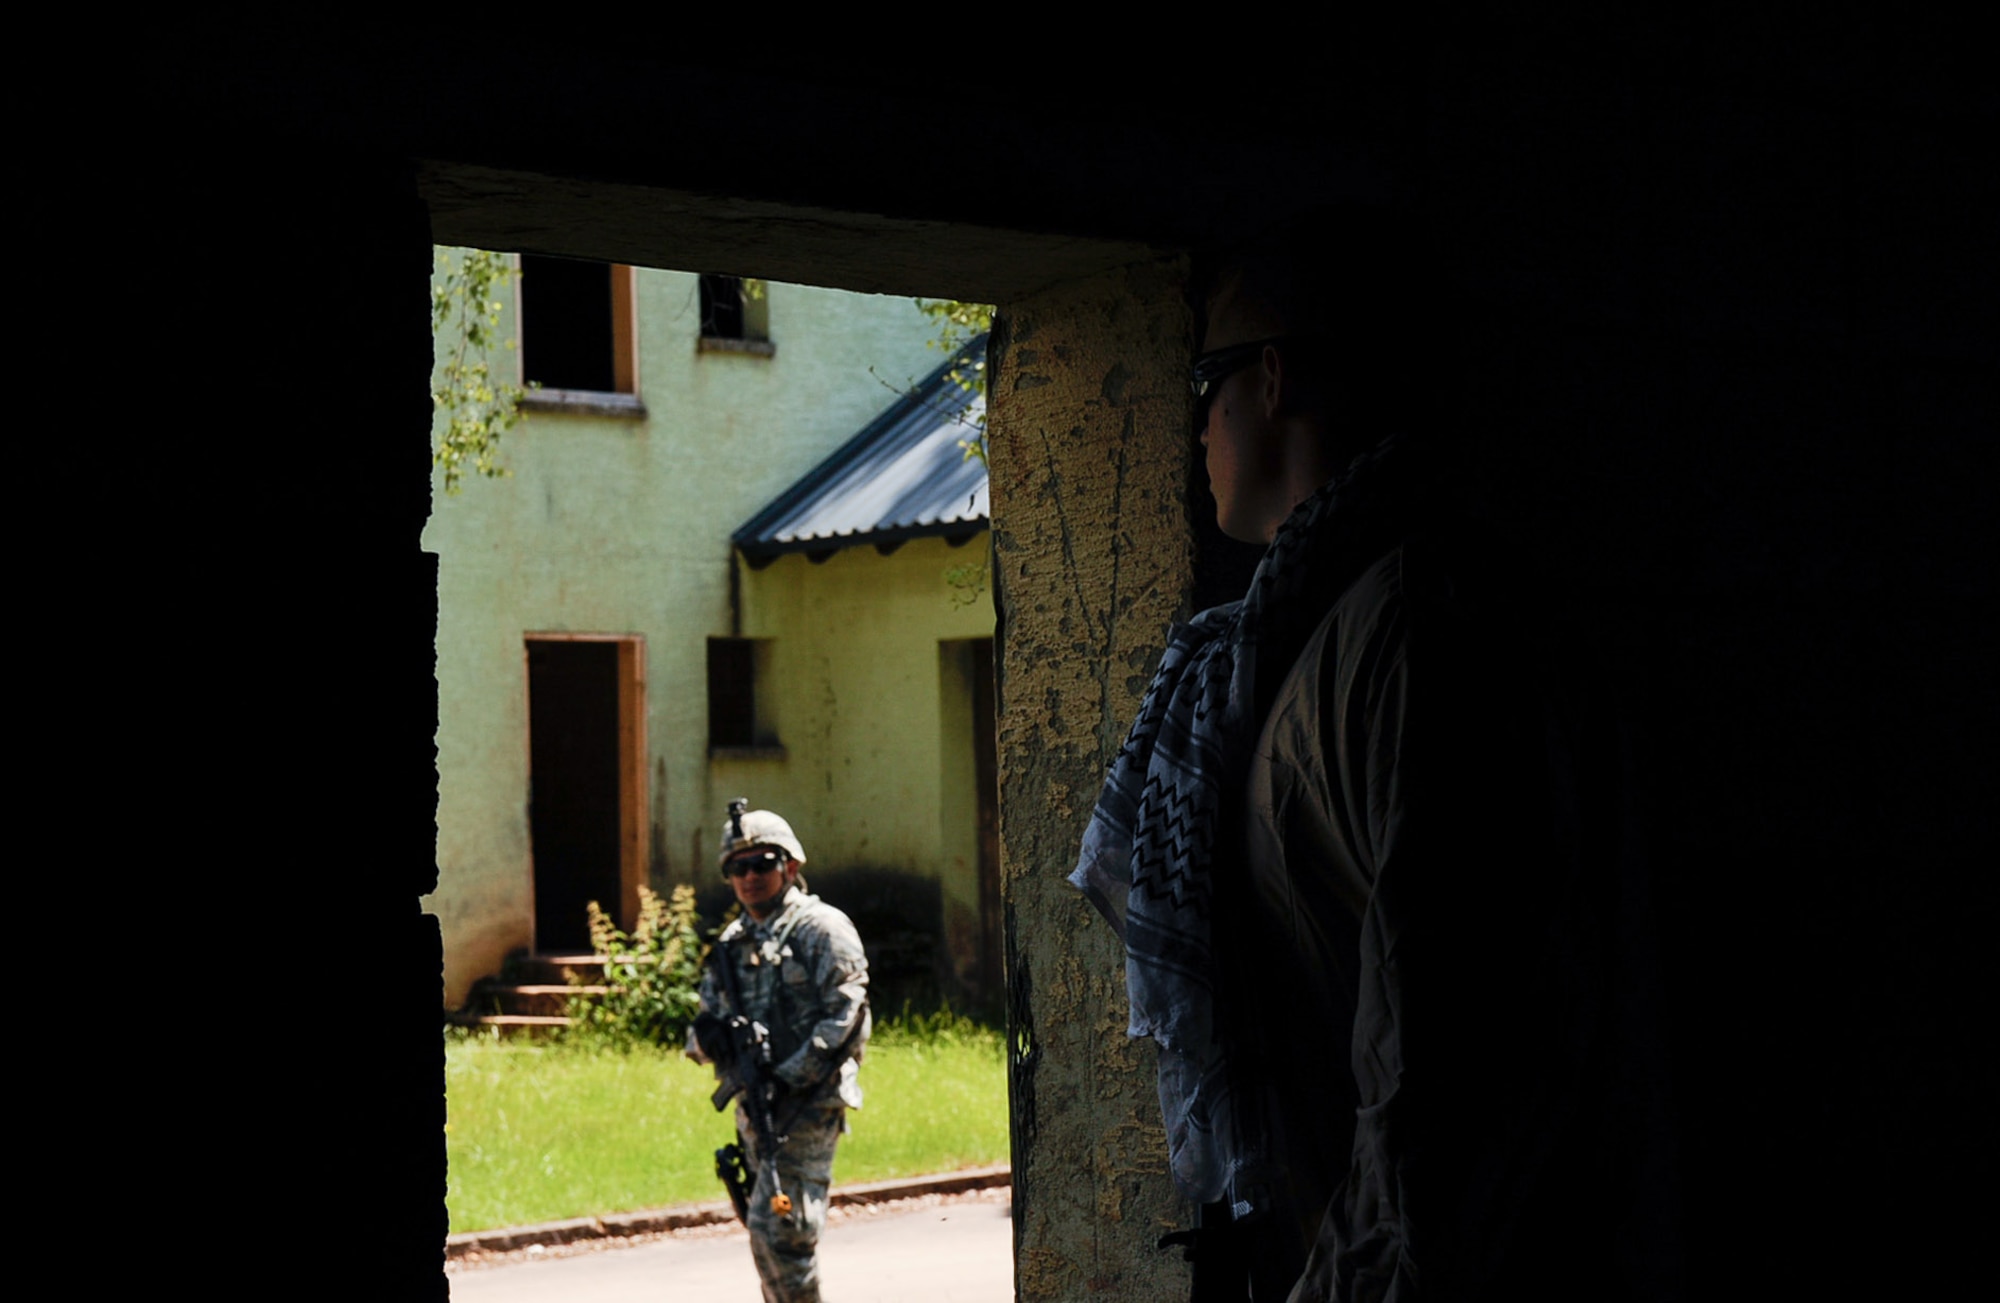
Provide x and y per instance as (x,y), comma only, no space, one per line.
(1088,423)
(621,525)
(274,583)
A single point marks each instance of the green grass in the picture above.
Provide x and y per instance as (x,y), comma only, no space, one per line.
(538,1133)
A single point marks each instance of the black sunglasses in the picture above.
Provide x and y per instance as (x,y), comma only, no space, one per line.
(1213,367)
(762,862)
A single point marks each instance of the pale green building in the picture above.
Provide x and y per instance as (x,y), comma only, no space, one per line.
(613,667)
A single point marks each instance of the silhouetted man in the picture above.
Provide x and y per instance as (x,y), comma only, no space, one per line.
(1361,843)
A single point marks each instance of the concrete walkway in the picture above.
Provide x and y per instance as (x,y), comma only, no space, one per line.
(937,1248)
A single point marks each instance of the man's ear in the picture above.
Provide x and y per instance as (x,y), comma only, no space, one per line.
(1271,381)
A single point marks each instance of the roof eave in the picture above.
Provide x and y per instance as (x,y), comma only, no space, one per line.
(762,553)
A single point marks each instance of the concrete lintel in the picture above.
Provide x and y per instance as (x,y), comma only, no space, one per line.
(874,253)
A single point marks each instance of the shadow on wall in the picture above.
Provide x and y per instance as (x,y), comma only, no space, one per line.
(900,919)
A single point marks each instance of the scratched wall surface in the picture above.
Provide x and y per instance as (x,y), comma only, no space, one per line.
(1088,425)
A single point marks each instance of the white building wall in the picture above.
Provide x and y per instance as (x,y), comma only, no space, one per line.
(611,525)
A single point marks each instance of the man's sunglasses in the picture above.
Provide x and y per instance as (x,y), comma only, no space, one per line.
(1213,367)
(762,862)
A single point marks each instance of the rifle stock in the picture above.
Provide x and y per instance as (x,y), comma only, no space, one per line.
(734,1171)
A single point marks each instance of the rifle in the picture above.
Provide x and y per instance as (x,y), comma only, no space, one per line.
(742,1049)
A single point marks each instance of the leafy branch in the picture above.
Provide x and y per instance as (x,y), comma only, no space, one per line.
(465,323)
(958,324)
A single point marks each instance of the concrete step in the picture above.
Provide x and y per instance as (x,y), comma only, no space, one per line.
(548,969)
(509,1024)
(532,997)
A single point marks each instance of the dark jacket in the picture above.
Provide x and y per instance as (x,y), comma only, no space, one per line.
(1441,979)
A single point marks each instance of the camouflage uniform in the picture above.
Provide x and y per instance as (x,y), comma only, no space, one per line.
(804,976)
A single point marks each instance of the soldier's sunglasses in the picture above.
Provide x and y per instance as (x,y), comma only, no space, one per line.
(761,862)
(1216,365)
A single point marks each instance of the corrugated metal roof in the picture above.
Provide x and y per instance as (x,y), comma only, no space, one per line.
(903,476)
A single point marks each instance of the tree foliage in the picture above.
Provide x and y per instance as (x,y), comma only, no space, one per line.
(959,323)
(475,408)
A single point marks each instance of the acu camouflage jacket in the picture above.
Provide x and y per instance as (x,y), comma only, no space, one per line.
(804,975)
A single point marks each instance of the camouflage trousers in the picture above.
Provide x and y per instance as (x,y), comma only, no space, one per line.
(784,1244)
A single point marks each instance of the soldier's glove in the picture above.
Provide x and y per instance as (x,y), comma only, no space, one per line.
(712,1035)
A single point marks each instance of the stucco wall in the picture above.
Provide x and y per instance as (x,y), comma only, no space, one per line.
(873,714)
(621,526)
(1088,424)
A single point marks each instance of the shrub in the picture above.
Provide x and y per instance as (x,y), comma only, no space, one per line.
(652,976)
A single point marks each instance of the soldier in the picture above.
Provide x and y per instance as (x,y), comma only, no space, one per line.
(784,1017)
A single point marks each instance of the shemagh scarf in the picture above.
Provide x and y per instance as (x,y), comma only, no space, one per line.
(1148,859)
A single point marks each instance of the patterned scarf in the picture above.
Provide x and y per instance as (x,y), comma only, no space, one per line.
(1148,859)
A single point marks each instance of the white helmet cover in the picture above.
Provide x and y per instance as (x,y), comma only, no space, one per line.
(761,828)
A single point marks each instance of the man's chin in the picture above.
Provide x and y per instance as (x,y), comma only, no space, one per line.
(1241,533)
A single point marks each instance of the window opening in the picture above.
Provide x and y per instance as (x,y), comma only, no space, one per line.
(576,324)
(722,307)
(738,718)
(729,311)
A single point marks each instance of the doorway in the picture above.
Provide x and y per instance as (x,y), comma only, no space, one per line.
(985,760)
(586,775)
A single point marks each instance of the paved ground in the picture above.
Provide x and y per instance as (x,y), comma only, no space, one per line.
(934,1249)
